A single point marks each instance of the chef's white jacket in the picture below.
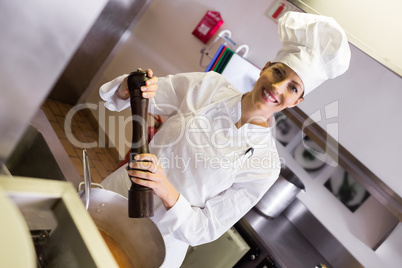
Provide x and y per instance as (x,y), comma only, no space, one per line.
(205,157)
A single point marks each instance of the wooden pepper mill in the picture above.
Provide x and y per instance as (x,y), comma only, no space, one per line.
(140,198)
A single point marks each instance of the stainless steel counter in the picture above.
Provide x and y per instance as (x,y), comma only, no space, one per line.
(297,239)
(287,246)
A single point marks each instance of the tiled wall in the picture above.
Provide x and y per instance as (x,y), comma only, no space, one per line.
(103,161)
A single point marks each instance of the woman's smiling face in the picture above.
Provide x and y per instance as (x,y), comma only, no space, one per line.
(277,88)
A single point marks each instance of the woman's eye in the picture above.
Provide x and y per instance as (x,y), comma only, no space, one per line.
(294,89)
(276,70)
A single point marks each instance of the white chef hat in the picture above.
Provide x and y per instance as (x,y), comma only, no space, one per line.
(314,46)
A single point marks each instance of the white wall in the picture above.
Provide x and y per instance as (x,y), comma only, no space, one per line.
(367,112)
(369,122)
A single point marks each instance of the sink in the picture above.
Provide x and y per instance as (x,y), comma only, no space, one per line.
(40,154)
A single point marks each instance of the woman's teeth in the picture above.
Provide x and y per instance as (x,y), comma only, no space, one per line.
(269,96)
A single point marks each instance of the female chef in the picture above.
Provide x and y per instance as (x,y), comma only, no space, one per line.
(215,155)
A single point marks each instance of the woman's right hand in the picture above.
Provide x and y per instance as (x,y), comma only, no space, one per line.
(148,91)
(147,171)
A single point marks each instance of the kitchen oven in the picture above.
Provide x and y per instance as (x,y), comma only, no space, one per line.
(258,255)
(239,247)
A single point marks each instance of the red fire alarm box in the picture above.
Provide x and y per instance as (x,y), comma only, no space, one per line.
(278,9)
(209,24)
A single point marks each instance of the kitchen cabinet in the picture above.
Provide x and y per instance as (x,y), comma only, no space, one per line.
(226,251)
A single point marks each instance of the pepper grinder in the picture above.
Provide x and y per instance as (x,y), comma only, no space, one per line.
(140,198)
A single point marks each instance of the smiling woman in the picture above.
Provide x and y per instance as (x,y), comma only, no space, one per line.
(278,88)
(208,201)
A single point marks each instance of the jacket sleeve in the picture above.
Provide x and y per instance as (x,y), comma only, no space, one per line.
(186,92)
(108,93)
(176,93)
(199,225)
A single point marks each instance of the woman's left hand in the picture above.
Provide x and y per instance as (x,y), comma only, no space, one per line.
(150,174)
(150,88)
(148,91)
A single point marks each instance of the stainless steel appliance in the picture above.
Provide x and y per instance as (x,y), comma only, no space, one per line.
(239,247)
(281,194)
(50,203)
(38,39)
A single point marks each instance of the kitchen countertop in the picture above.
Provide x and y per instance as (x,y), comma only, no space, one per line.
(286,245)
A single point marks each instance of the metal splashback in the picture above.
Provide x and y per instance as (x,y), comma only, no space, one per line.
(38,37)
(115,19)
